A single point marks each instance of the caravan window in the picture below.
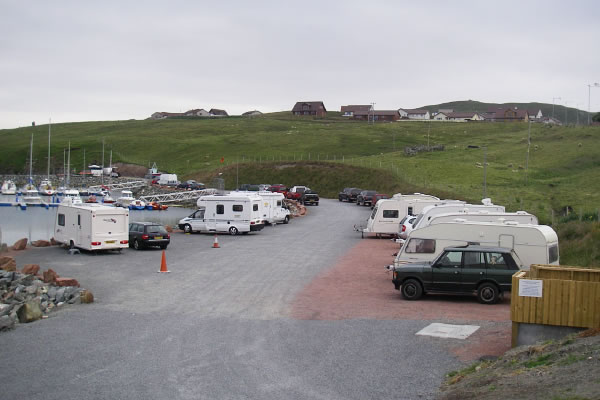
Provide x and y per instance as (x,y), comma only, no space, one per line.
(255,207)
(420,246)
(374,213)
(61,219)
(410,211)
(390,213)
(238,208)
(220,209)
(278,203)
(553,253)
(79,219)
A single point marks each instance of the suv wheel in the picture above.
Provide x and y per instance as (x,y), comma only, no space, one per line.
(411,289)
(488,293)
(233,231)
(136,244)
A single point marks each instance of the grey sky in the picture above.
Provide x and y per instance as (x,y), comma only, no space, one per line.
(110,60)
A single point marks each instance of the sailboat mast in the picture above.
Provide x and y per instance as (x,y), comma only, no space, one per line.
(31,160)
(83,170)
(69,165)
(49,124)
(102,175)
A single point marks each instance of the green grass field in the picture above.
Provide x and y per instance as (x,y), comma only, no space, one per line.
(331,153)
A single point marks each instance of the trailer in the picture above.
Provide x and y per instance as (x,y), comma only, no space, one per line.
(534,244)
(233,213)
(91,226)
(387,213)
(432,211)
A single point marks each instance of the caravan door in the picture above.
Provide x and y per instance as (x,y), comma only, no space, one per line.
(79,234)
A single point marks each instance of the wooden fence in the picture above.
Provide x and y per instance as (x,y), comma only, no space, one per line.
(570,297)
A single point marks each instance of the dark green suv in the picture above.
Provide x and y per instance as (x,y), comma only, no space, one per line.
(486,271)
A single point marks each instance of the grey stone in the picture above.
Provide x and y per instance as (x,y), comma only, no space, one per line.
(5,309)
(60,295)
(52,292)
(71,291)
(6,323)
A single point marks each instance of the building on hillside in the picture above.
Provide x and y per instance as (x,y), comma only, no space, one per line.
(509,115)
(377,115)
(440,116)
(465,116)
(445,110)
(215,112)
(535,115)
(314,108)
(550,121)
(164,114)
(199,112)
(252,113)
(417,114)
(348,111)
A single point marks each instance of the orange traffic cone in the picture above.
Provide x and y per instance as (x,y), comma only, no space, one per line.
(216,243)
(163,263)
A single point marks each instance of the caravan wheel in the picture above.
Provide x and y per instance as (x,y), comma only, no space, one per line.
(71,245)
(286,219)
(233,231)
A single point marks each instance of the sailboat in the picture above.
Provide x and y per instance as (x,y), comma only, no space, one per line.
(46,188)
(30,193)
(9,187)
(70,193)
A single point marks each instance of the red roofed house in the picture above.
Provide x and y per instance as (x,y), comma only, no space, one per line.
(348,111)
(510,115)
(316,108)
(377,115)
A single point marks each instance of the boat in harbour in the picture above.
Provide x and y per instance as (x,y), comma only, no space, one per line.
(72,194)
(126,198)
(137,205)
(9,187)
(46,188)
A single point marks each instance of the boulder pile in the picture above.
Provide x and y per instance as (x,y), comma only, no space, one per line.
(296,209)
(27,296)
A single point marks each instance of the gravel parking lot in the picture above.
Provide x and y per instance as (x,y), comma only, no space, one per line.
(254,319)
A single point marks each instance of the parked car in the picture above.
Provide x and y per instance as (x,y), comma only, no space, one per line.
(279,188)
(148,234)
(349,194)
(486,271)
(365,197)
(264,187)
(191,185)
(309,197)
(377,197)
(296,192)
(406,225)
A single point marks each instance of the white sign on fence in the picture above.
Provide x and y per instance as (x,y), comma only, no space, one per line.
(530,288)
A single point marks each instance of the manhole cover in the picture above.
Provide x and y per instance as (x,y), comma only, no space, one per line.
(448,331)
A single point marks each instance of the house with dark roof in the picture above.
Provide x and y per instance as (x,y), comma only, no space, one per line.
(198,112)
(215,112)
(348,111)
(414,113)
(508,115)
(377,115)
(164,114)
(465,116)
(252,113)
(315,108)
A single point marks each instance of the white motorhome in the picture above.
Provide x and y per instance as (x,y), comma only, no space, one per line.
(388,213)
(272,207)
(521,217)
(91,226)
(534,244)
(168,179)
(234,213)
(434,210)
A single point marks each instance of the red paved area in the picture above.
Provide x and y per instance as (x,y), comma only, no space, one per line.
(358,286)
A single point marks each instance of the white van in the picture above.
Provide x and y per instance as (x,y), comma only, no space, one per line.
(168,179)
(272,207)
(91,226)
(534,244)
(387,213)
(234,213)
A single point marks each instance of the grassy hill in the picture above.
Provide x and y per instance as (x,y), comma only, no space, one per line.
(563,173)
(567,115)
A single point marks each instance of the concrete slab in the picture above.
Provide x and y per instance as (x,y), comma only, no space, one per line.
(448,331)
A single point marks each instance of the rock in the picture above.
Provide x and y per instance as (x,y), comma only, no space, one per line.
(20,244)
(6,323)
(53,242)
(41,243)
(30,312)
(5,309)
(62,282)
(8,263)
(31,269)
(86,296)
(50,276)
(52,293)
(60,295)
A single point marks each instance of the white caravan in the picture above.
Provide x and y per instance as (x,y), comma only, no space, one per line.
(234,213)
(388,213)
(521,217)
(272,207)
(534,244)
(434,210)
(91,226)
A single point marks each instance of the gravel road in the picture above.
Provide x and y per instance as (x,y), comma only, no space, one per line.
(219,326)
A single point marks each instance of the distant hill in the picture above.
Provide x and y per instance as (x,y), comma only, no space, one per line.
(478,106)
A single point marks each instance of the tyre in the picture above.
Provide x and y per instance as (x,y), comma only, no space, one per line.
(136,245)
(286,220)
(163,246)
(71,245)
(233,231)
(187,228)
(411,289)
(317,203)
(357,203)
(339,198)
(488,293)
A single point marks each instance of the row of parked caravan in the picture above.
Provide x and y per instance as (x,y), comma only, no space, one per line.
(236,212)
(427,225)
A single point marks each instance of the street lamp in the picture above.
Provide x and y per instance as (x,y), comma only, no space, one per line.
(373,111)
(590,86)
(554,98)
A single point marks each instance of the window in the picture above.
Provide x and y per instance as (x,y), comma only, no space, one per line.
(420,246)
(450,259)
(553,253)
(255,207)
(61,219)
(220,209)
(374,213)
(79,219)
(474,260)
(410,211)
(238,208)
(390,213)
(278,203)
(140,228)
(496,261)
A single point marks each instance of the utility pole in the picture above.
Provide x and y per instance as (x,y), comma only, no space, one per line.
(528,148)
(484,172)
(554,98)
(373,112)
(590,86)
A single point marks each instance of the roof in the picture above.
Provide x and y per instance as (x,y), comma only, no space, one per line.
(355,108)
(415,111)
(472,247)
(216,111)
(252,112)
(377,112)
(312,105)
(461,114)
(195,110)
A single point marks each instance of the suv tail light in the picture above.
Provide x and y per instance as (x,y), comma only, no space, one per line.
(403,228)
(144,237)
(124,241)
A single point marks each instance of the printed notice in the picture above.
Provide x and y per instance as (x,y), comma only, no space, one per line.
(530,288)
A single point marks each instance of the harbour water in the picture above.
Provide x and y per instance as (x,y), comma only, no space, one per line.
(37,223)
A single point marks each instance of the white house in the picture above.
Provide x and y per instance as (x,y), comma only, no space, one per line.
(440,116)
(197,113)
(415,114)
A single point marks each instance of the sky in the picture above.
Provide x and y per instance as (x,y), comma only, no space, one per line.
(116,60)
